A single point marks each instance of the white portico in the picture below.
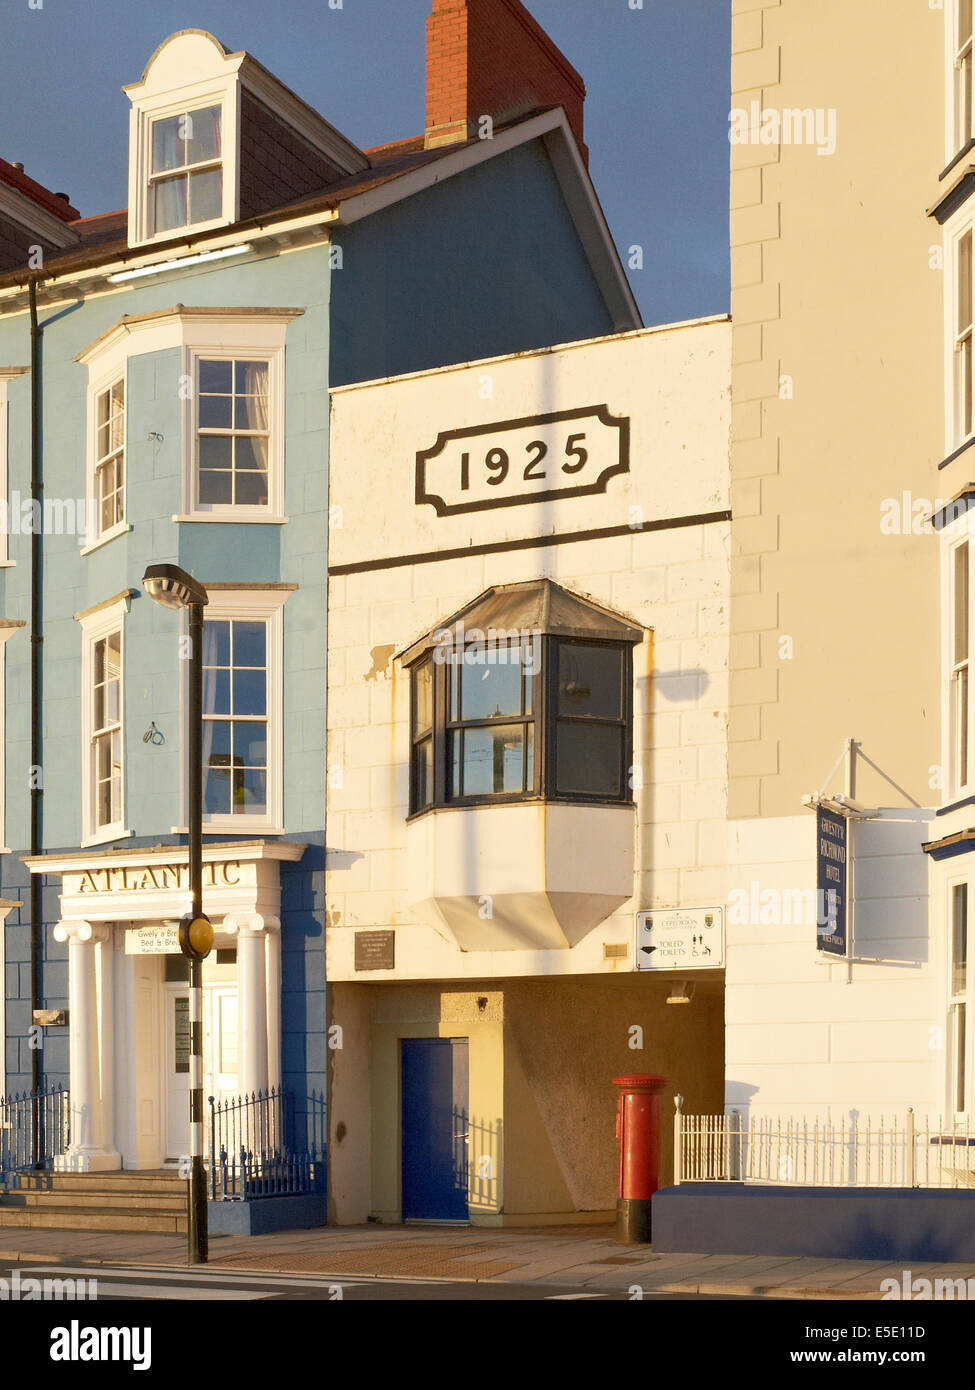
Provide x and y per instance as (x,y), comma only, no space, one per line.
(128,1019)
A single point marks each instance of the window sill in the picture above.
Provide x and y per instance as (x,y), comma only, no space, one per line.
(487,803)
(268,519)
(106,536)
(231,826)
(7,564)
(105,837)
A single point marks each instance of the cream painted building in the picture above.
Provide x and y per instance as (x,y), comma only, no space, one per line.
(846,353)
(527,691)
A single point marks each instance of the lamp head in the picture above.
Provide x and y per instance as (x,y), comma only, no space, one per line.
(173,587)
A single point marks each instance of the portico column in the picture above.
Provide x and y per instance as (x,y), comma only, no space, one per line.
(88,1056)
(252,1005)
(273,991)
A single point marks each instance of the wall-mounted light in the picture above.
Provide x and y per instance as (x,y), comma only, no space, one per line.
(681,993)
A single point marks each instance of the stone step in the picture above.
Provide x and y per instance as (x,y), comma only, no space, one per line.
(159,1202)
(143,1183)
(68,1218)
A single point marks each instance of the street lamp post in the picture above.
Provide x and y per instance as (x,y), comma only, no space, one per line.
(174,588)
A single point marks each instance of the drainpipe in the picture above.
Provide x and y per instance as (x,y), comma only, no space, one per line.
(36,489)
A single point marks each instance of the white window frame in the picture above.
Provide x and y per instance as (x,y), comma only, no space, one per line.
(952,1002)
(195,96)
(96,625)
(250,605)
(959,339)
(259,343)
(959,675)
(958,54)
(114,370)
(6,374)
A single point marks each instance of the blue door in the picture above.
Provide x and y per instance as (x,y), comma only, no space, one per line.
(435,1128)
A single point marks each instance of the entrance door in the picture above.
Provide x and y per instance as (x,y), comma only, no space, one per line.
(177,1063)
(219,1053)
(435,1129)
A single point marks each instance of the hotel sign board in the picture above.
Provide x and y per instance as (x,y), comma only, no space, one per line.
(683,938)
(158,939)
(832,844)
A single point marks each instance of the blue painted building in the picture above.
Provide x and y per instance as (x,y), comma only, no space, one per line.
(171,404)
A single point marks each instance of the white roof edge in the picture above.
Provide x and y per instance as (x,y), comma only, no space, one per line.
(534,352)
(553,129)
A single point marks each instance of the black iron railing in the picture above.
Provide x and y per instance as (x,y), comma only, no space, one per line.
(35,1128)
(266,1144)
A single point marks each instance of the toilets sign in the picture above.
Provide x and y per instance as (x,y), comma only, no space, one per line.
(689,938)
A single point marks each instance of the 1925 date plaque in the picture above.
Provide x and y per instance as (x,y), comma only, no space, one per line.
(375,950)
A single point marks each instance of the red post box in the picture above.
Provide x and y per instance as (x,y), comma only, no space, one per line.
(638,1135)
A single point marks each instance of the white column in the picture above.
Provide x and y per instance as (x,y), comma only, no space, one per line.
(87,1021)
(272,965)
(252,1005)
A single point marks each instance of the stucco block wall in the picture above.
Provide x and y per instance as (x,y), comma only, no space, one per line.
(805,1034)
(673,581)
(837,400)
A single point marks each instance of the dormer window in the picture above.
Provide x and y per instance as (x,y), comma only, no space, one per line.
(215,139)
(186,174)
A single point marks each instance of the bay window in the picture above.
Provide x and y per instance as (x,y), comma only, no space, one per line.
(515,712)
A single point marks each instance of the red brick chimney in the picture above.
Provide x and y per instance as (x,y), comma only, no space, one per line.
(490,58)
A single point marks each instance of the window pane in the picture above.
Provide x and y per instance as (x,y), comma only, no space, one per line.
(589,758)
(216,412)
(964,21)
(960,1028)
(423,774)
(216,791)
(216,489)
(216,742)
(964,282)
(250,692)
(169,203)
(216,642)
(216,376)
(490,683)
(423,697)
(202,131)
(250,792)
(216,451)
(961,724)
(250,743)
(590,680)
(494,760)
(250,489)
(251,453)
(959,938)
(250,379)
(961,603)
(167,147)
(206,195)
(250,644)
(216,691)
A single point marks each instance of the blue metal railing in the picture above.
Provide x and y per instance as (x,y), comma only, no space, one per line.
(35,1127)
(266,1144)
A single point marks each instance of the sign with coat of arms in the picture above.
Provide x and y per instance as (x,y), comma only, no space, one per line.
(680,938)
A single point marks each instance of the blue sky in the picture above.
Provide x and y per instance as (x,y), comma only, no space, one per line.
(656,112)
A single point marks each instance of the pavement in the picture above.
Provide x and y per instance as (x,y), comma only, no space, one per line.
(576,1257)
